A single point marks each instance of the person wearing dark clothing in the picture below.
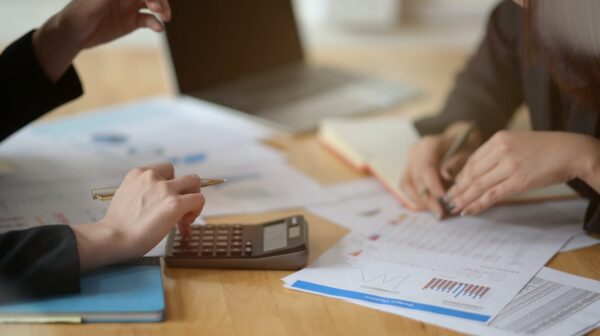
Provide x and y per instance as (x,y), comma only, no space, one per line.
(518,62)
(36,76)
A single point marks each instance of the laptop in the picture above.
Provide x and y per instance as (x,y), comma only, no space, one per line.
(247,55)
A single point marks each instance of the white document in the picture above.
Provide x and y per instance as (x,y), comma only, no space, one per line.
(553,303)
(364,212)
(257,190)
(579,241)
(351,190)
(462,267)
(59,202)
(116,139)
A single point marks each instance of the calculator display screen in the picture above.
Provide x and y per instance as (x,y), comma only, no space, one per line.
(275,236)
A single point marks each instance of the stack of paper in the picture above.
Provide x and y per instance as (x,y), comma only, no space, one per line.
(475,275)
(54,166)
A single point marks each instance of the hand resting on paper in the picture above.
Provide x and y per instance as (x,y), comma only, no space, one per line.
(508,163)
(424,180)
(511,162)
(149,203)
(84,24)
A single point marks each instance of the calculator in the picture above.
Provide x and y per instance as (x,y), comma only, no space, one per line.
(275,245)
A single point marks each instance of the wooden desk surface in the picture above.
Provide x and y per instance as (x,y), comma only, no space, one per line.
(224,302)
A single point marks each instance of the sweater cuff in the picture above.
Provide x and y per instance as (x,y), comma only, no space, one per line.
(38,262)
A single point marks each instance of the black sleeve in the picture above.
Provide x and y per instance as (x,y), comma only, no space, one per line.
(26,93)
(488,90)
(38,262)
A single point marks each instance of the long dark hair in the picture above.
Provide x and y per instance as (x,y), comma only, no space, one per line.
(565,36)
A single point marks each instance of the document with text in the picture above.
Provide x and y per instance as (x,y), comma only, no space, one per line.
(463,267)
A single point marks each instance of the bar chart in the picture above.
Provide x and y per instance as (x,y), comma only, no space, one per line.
(457,288)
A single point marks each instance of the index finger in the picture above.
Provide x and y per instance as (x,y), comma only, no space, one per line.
(165,170)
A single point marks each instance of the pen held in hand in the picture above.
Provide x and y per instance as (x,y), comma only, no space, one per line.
(455,146)
(106,194)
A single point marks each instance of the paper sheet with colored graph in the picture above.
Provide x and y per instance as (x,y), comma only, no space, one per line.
(193,135)
(465,267)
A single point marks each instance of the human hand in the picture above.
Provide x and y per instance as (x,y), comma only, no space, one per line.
(512,162)
(425,176)
(85,24)
(90,23)
(147,205)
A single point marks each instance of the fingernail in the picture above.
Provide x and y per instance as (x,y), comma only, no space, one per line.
(436,214)
(464,213)
(447,204)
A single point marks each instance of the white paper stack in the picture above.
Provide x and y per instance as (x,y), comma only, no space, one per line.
(49,169)
(475,275)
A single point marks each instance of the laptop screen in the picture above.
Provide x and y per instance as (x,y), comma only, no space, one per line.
(215,41)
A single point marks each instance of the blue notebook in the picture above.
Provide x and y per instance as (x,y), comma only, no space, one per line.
(113,294)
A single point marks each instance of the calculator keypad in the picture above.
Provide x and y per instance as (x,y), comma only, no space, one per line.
(213,241)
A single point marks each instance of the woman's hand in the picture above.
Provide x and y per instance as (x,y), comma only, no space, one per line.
(85,24)
(149,203)
(513,162)
(425,176)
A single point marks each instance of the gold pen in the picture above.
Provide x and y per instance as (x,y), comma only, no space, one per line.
(106,194)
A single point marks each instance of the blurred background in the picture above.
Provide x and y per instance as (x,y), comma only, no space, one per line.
(404,39)
(446,23)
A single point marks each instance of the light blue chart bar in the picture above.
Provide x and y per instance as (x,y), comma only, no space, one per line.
(313,287)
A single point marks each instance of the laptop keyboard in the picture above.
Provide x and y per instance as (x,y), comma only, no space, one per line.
(278,88)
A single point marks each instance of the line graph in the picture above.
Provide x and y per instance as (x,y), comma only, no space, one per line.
(379,278)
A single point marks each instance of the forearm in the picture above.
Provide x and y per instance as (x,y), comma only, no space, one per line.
(99,245)
(53,49)
(588,169)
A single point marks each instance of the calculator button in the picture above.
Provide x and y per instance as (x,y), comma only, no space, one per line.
(178,238)
(176,244)
(208,238)
(249,243)
(237,226)
(294,232)
(209,226)
(222,244)
(206,252)
(237,231)
(208,244)
(195,238)
(209,232)
(294,221)
(236,251)
(248,250)
(222,232)
(193,244)
(221,251)
(236,238)
(195,231)
(236,243)
(221,238)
